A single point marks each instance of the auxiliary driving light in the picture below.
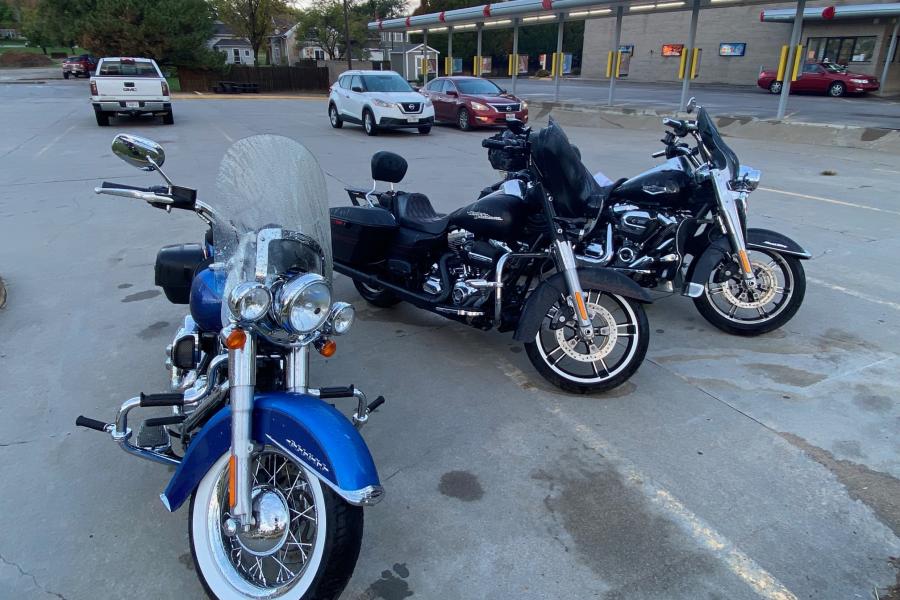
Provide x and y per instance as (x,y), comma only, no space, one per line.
(342,315)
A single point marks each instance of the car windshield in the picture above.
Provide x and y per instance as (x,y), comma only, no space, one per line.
(271,213)
(385,83)
(121,68)
(478,87)
(834,68)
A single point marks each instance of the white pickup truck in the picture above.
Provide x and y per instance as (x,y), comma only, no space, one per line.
(132,86)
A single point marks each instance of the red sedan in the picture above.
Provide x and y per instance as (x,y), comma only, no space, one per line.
(473,102)
(824,78)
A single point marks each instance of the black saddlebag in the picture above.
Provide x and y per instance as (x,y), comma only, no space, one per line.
(361,235)
(175,268)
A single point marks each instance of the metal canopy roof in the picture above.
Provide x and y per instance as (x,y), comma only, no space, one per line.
(534,12)
(852,11)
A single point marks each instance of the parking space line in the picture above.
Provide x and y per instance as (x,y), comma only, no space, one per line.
(739,563)
(854,293)
(227,137)
(53,141)
(830,200)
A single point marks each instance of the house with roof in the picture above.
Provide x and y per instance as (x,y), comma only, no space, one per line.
(288,44)
(237,49)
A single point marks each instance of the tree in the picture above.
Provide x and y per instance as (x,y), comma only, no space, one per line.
(323,22)
(251,19)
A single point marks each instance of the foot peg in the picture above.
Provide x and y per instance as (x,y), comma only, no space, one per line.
(153,437)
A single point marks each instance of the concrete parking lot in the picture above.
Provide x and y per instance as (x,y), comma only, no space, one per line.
(725,468)
(746,101)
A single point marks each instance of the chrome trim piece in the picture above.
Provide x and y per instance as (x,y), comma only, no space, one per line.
(242,383)
(693,290)
(607,253)
(459,312)
(296,369)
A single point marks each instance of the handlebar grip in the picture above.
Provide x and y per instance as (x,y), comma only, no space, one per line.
(121,186)
(495,144)
(376,403)
(326,393)
(170,399)
(658,154)
(94,424)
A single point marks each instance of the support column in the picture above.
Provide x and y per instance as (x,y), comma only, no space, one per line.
(449,51)
(425,58)
(789,71)
(515,60)
(559,61)
(477,64)
(692,38)
(890,53)
(620,12)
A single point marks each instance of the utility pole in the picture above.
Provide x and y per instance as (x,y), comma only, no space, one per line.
(347,35)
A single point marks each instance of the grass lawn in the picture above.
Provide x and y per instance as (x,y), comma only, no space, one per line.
(174,84)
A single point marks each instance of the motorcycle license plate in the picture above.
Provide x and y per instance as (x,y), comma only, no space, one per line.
(510,116)
(132,105)
(412,119)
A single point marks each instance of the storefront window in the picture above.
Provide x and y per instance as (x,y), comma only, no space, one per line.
(841,50)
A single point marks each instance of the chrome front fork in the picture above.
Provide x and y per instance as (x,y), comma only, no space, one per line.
(566,258)
(731,222)
(242,384)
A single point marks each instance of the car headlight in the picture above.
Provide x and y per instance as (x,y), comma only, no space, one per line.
(427,101)
(480,106)
(524,105)
(342,315)
(303,303)
(859,81)
(249,301)
(382,103)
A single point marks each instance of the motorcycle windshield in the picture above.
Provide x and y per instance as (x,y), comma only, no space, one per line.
(271,212)
(722,156)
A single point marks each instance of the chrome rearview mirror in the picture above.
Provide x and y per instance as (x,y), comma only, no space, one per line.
(139,152)
(747,180)
(691,105)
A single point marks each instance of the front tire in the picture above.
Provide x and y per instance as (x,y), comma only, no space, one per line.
(775,87)
(283,566)
(425,129)
(168,118)
(65,75)
(463,119)
(622,334)
(782,286)
(369,123)
(376,295)
(836,89)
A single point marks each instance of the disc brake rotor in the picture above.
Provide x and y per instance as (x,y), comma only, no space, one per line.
(607,330)
(766,285)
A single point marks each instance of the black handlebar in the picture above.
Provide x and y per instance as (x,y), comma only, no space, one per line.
(155,189)
(495,144)
(182,197)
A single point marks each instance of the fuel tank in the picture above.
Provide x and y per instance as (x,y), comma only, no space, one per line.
(206,299)
(497,216)
(665,185)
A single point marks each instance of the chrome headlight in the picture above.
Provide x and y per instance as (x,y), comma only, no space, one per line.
(342,315)
(382,103)
(249,301)
(303,303)
(480,106)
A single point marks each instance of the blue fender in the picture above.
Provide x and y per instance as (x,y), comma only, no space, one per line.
(309,430)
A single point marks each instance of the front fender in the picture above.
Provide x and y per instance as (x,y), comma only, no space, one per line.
(766,239)
(309,430)
(547,293)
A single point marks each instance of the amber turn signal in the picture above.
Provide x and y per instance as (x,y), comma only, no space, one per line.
(236,339)
(327,348)
(232,481)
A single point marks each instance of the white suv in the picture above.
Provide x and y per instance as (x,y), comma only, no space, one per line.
(378,100)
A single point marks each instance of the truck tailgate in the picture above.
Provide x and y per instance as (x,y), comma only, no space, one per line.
(127,88)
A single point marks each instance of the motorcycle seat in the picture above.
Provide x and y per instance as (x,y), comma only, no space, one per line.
(414,211)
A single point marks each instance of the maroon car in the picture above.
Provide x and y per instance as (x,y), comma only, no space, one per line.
(473,102)
(79,66)
(824,78)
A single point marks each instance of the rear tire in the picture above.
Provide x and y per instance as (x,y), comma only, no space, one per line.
(775,87)
(65,75)
(369,124)
(836,89)
(376,295)
(102,118)
(168,118)
(334,117)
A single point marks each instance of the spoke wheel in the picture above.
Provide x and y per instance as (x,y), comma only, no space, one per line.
(294,548)
(729,304)
(621,336)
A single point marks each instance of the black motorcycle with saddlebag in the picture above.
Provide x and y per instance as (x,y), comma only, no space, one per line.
(506,261)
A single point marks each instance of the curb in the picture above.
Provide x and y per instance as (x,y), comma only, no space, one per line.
(739,126)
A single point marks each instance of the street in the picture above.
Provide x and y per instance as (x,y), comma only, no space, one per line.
(727,467)
(746,101)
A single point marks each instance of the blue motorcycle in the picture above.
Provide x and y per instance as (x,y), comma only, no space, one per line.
(275,475)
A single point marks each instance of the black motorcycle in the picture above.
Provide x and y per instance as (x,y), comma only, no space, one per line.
(682,225)
(505,261)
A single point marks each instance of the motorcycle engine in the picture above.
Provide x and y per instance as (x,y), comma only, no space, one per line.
(642,234)
(472,262)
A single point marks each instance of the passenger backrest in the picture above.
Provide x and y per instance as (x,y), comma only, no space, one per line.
(387,166)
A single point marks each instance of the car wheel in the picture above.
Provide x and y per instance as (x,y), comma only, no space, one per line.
(65,75)
(169,118)
(836,89)
(775,87)
(102,118)
(425,129)
(369,123)
(333,116)
(462,119)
